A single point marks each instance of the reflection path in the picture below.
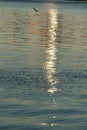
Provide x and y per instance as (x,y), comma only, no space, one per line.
(51,51)
(50,62)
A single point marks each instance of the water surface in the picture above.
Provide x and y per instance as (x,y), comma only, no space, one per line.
(43,66)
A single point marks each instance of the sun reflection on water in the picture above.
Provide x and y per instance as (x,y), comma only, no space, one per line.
(51,57)
(50,61)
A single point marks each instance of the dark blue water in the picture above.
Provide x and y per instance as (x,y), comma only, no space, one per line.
(43,66)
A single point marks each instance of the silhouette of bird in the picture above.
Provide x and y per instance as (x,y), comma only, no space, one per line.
(36,10)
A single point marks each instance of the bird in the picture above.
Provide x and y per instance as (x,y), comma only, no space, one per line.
(36,10)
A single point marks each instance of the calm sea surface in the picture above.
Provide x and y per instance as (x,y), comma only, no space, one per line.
(43,66)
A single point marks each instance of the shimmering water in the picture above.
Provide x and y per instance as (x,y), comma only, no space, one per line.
(43,66)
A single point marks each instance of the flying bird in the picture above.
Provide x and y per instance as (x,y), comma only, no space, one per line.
(36,10)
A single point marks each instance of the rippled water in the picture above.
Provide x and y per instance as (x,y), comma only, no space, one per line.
(43,66)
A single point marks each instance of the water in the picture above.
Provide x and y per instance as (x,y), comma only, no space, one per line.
(43,66)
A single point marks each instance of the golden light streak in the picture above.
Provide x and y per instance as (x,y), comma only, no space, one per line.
(51,51)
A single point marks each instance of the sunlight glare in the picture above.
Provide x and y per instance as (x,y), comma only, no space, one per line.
(51,58)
